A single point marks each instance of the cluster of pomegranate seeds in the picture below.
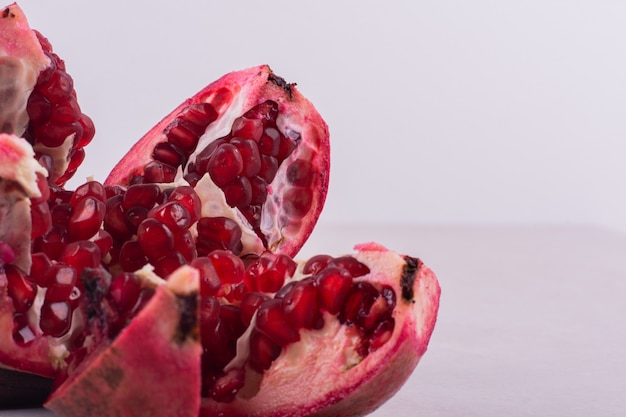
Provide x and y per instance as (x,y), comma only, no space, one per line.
(246,160)
(281,308)
(54,113)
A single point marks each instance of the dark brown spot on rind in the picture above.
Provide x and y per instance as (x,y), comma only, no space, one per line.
(113,376)
(5,12)
(279,81)
(409,273)
(188,323)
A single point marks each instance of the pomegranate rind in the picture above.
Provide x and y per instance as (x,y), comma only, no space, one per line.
(151,369)
(21,61)
(231,96)
(323,376)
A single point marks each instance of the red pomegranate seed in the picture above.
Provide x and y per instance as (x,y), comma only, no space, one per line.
(298,201)
(199,114)
(21,290)
(244,127)
(230,317)
(249,151)
(143,195)
(124,291)
(133,218)
(210,282)
(263,351)
(38,108)
(86,218)
(188,197)
(354,267)
(266,111)
(226,387)
(159,172)
(61,214)
(201,164)
(271,321)
(41,220)
(53,242)
(104,240)
(184,243)
(229,268)
(269,144)
(381,334)
(61,280)
(300,305)
(225,164)
(316,264)
(115,219)
(250,304)
(89,131)
(238,192)
(80,255)
(23,332)
(182,134)
(169,153)
(381,309)
(167,264)
(59,87)
(131,256)
(358,303)
(300,173)
(155,238)
(56,318)
(219,233)
(89,189)
(269,167)
(54,135)
(66,111)
(40,265)
(334,285)
(287,146)
(173,214)
(258,187)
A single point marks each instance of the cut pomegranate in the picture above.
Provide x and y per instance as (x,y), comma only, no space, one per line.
(181,263)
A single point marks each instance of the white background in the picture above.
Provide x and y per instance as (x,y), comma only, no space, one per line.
(441,112)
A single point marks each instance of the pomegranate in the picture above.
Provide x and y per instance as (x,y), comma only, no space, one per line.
(181,262)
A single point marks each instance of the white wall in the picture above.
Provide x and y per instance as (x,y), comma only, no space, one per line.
(440,111)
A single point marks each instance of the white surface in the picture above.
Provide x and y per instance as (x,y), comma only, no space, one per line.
(448,111)
(531,321)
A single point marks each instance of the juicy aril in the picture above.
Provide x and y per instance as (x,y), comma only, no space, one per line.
(171,288)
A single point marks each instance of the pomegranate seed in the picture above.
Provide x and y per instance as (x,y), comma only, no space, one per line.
(287,146)
(38,108)
(86,218)
(115,219)
(263,351)
(354,267)
(143,195)
(80,255)
(89,131)
(199,114)
(61,280)
(269,143)
(131,256)
(169,153)
(159,172)
(41,220)
(40,265)
(188,197)
(227,386)
(210,282)
(258,188)
(244,127)
(167,264)
(133,218)
(271,321)
(266,111)
(230,317)
(269,167)
(183,135)
(298,201)
(358,302)
(201,164)
(250,304)
(316,264)
(56,318)
(53,242)
(184,243)
(104,241)
(66,111)
(61,214)
(225,164)
(155,238)
(124,291)
(229,268)
(23,333)
(381,309)
(238,192)
(173,214)
(219,233)
(89,189)
(58,88)
(381,334)
(249,151)
(334,285)
(21,290)
(300,306)
(300,173)
(54,135)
